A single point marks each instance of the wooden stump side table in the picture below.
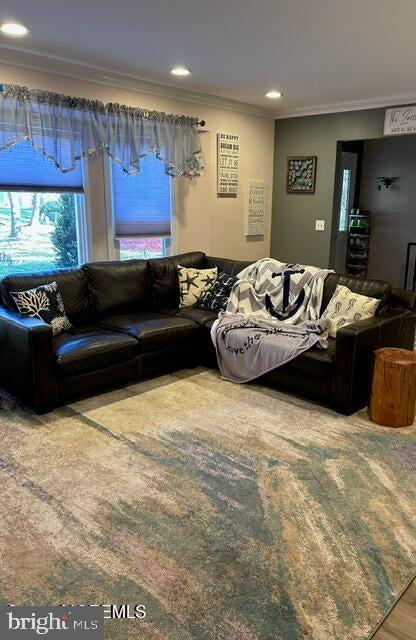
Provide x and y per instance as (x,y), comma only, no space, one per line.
(393,391)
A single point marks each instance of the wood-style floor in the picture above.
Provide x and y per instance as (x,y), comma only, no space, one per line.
(401,623)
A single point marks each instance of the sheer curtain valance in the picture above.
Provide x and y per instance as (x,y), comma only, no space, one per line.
(65,129)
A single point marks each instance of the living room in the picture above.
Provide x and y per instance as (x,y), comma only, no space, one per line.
(198,204)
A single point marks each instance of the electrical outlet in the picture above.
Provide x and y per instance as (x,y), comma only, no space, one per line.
(319,225)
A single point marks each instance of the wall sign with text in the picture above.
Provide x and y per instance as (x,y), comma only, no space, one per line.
(228,158)
(255,207)
(400,120)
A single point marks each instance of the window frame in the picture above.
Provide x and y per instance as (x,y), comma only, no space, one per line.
(81,220)
(82,209)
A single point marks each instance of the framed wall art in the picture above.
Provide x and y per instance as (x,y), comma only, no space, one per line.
(255,211)
(400,120)
(228,158)
(301,174)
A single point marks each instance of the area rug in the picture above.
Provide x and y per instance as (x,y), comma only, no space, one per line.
(229,512)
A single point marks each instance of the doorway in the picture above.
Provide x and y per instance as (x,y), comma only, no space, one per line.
(386,218)
(345,202)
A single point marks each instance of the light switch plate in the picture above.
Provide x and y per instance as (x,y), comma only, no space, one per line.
(319,225)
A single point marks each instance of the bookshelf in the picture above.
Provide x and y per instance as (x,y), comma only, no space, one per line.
(358,242)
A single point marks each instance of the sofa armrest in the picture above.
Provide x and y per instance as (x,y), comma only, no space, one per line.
(26,367)
(354,355)
(403,299)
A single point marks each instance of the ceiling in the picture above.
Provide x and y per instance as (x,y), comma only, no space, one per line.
(324,55)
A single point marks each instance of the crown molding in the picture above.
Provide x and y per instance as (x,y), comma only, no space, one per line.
(27,59)
(355,105)
(20,57)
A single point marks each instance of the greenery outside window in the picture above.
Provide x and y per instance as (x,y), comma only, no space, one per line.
(41,213)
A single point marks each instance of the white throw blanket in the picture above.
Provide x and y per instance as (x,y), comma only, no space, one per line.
(272,316)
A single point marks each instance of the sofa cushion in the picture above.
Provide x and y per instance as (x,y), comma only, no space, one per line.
(200,316)
(226,265)
(154,331)
(208,324)
(119,287)
(371,288)
(316,361)
(91,347)
(165,283)
(72,284)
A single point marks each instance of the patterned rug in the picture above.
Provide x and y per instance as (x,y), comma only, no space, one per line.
(231,512)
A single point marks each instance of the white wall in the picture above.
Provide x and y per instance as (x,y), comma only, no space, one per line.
(203,221)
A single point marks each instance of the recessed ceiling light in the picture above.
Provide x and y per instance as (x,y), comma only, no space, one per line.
(180,71)
(273,94)
(13,29)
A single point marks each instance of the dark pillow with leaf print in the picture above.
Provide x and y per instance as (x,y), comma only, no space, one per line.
(44,302)
(216,298)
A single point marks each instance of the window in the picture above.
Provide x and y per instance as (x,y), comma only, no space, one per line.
(40,212)
(142,210)
(345,196)
(153,247)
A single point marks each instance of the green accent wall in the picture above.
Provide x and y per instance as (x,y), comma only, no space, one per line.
(294,238)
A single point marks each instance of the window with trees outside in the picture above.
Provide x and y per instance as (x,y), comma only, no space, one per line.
(142,210)
(39,212)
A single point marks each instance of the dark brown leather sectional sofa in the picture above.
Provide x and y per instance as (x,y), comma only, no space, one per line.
(128,326)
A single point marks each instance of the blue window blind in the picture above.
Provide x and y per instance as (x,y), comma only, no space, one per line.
(142,202)
(22,168)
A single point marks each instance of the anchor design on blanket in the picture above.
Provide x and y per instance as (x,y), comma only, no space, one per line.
(288,298)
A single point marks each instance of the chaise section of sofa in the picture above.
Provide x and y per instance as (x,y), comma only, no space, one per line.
(127,325)
(340,376)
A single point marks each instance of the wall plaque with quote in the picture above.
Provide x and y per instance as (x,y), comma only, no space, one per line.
(255,207)
(228,155)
